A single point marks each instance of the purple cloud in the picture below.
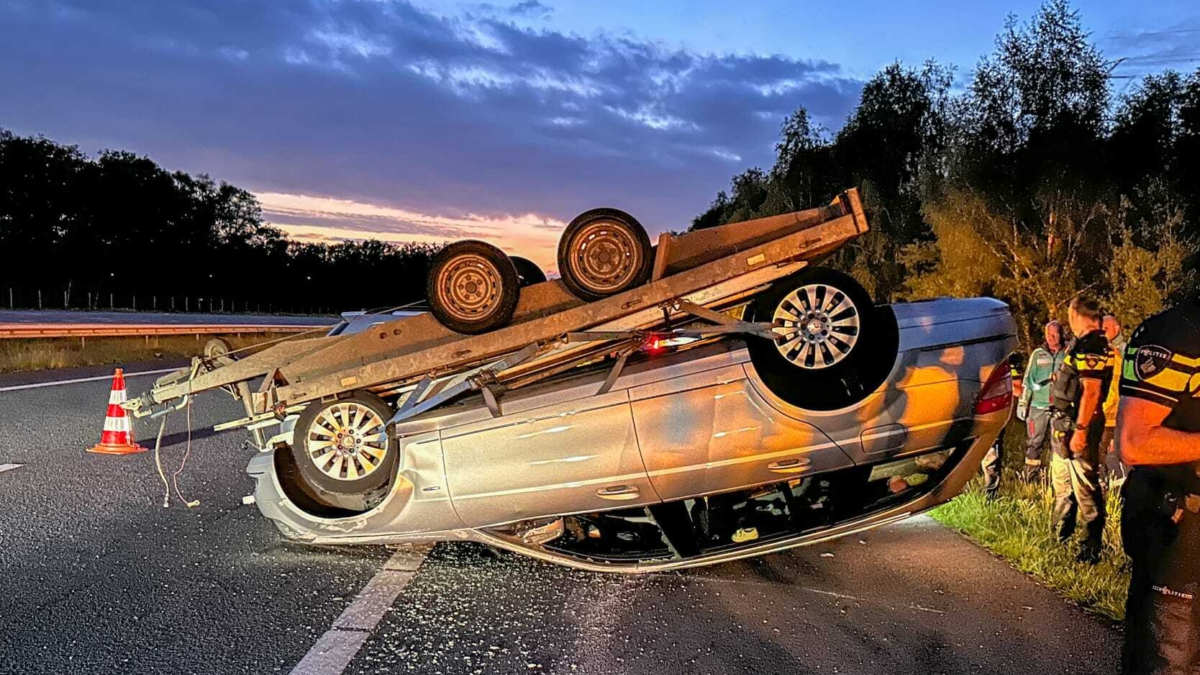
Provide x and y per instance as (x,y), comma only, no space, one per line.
(385,103)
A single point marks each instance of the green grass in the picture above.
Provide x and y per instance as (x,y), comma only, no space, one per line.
(1017,527)
(45,354)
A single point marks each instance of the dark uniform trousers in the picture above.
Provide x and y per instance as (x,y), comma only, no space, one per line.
(1162,615)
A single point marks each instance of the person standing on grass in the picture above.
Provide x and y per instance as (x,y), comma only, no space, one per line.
(1077,392)
(1034,403)
(1111,469)
(993,460)
(1158,437)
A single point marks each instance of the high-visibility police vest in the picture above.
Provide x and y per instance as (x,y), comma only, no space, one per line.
(1162,365)
(1089,358)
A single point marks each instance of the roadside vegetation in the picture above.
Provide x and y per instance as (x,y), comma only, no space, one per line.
(46,354)
(1017,528)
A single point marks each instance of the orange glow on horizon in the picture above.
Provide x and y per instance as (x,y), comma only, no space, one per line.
(323,219)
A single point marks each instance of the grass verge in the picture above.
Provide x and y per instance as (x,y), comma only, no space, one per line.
(1017,527)
(50,353)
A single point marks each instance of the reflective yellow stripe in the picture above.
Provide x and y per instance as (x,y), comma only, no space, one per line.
(1185,361)
(1169,379)
(1102,363)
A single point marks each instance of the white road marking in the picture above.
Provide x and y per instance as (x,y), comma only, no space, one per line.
(841,596)
(926,609)
(9,467)
(39,385)
(338,646)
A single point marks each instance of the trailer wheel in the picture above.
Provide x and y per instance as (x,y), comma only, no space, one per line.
(340,446)
(834,347)
(604,252)
(472,287)
(528,273)
(216,348)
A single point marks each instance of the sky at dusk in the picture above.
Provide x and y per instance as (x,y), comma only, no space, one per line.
(434,121)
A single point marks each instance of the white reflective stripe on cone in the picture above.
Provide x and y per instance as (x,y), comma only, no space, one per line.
(116,396)
(117,424)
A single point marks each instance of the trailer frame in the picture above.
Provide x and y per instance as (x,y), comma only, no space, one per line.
(425,365)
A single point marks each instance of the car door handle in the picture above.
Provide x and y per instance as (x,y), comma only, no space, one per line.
(618,493)
(791,465)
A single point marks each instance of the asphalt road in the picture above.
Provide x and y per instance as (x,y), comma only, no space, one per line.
(97,577)
(64,316)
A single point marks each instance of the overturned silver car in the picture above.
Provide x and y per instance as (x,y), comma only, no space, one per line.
(704,453)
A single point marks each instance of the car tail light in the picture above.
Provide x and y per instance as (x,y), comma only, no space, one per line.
(997,391)
(656,344)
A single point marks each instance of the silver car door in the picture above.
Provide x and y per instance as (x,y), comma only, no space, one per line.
(574,457)
(711,432)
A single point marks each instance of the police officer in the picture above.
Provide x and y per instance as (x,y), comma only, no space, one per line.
(1158,435)
(1034,405)
(1111,470)
(1076,394)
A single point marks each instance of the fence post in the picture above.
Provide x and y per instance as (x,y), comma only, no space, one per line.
(185,304)
(154,303)
(39,298)
(10,299)
(110,300)
(65,301)
(135,303)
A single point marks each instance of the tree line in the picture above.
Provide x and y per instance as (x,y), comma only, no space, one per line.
(1031,181)
(120,231)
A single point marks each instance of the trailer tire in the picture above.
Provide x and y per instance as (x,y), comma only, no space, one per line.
(528,273)
(604,252)
(472,287)
(340,446)
(841,350)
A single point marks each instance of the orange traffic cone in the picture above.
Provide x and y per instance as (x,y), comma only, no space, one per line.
(117,438)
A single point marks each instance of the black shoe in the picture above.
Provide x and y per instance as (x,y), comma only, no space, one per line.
(1088,555)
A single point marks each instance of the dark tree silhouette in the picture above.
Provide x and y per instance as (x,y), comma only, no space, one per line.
(120,231)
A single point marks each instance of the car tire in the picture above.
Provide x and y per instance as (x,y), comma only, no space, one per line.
(604,252)
(528,273)
(835,347)
(340,446)
(472,287)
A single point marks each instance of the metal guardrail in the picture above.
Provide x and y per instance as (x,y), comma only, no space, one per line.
(81,330)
